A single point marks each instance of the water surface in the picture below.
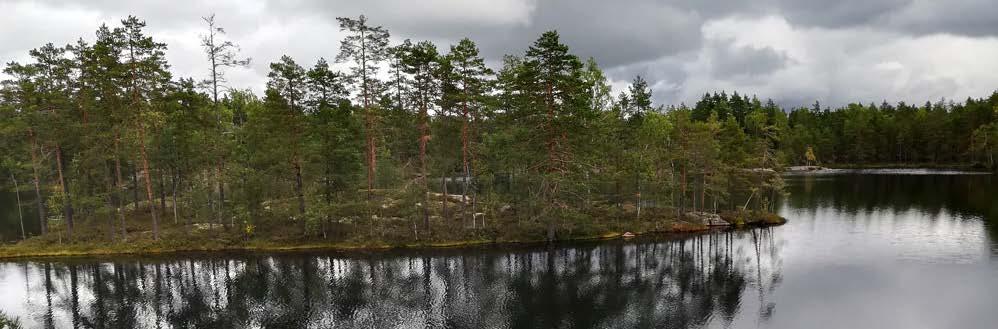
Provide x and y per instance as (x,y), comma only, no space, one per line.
(862,250)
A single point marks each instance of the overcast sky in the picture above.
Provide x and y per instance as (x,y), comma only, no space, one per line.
(793,51)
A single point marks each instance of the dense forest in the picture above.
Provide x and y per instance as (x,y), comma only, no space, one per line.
(935,134)
(412,143)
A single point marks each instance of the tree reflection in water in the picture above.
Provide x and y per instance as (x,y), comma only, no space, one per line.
(685,283)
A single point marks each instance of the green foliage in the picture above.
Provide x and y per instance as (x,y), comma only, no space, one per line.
(9,322)
(941,133)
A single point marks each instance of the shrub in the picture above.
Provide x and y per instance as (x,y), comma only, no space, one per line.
(9,322)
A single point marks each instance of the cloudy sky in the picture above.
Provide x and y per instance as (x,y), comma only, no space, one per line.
(794,51)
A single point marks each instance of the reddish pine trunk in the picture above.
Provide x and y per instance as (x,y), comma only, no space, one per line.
(139,124)
(148,180)
(424,132)
(552,158)
(464,160)
(369,120)
(67,201)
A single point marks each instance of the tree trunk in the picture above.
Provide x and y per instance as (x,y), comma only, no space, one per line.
(42,220)
(443,182)
(682,190)
(423,140)
(473,128)
(162,191)
(464,158)
(637,195)
(20,216)
(301,195)
(703,192)
(67,203)
(135,187)
(173,182)
(551,190)
(369,118)
(148,179)
(111,192)
(219,167)
(672,187)
(464,199)
(748,200)
(121,193)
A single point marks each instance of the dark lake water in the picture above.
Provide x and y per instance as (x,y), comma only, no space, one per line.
(872,250)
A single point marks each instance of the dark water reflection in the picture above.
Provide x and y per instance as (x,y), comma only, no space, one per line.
(675,284)
(861,251)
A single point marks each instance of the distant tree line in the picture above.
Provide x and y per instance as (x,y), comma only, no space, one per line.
(942,133)
(102,133)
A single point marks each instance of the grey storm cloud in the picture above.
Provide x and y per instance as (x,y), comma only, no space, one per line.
(833,14)
(733,61)
(794,51)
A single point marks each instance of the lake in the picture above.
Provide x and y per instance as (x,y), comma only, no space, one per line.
(872,249)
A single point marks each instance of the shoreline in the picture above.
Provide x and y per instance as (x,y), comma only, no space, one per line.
(925,166)
(352,248)
(850,169)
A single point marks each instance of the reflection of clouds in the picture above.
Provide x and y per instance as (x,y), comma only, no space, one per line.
(887,251)
(707,280)
(872,218)
(850,235)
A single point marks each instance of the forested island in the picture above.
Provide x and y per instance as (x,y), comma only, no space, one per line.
(413,145)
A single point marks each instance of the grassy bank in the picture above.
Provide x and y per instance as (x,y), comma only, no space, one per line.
(375,235)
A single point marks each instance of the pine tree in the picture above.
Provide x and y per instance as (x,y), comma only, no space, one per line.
(147,75)
(333,149)
(288,85)
(639,100)
(366,46)
(559,113)
(471,85)
(421,62)
(21,92)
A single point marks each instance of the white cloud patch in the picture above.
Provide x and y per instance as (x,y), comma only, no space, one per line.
(836,66)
